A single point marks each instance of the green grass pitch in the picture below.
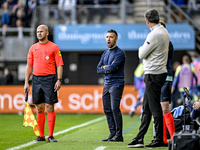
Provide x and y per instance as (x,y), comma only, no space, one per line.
(86,137)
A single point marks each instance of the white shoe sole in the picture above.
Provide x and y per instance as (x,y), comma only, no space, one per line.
(136,146)
(154,147)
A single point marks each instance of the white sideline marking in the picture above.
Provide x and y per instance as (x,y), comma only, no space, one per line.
(60,132)
(100,148)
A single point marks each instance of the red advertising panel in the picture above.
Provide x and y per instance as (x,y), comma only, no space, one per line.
(72,99)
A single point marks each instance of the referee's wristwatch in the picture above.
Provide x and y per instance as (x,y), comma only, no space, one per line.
(59,79)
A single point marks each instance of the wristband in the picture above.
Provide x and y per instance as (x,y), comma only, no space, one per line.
(60,79)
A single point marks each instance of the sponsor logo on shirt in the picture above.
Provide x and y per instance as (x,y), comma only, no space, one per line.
(47,57)
(148,42)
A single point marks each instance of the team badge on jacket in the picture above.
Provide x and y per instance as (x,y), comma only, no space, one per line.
(59,53)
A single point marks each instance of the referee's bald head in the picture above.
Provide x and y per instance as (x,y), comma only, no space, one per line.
(43,26)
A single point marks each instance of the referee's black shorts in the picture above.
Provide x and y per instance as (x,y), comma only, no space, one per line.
(43,89)
(166,92)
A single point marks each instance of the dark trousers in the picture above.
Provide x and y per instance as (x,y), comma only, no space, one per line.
(111,104)
(151,105)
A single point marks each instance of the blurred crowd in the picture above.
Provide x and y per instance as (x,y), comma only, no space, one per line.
(72,11)
(18,13)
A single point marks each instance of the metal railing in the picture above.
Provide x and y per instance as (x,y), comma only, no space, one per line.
(13,31)
(186,19)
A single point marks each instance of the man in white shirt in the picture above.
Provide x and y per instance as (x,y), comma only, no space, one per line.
(154,53)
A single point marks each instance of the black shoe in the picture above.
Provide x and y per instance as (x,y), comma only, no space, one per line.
(156,144)
(110,137)
(165,144)
(51,139)
(137,143)
(131,113)
(39,139)
(117,139)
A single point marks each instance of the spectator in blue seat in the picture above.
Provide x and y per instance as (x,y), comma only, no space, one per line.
(5,17)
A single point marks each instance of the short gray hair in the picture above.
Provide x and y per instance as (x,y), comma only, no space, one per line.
(152,16)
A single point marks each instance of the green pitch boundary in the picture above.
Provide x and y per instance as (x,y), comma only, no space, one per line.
(60,132)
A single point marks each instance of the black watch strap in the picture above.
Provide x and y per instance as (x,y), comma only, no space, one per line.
(60,79)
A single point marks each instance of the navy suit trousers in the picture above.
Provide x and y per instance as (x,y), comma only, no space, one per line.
(111,104)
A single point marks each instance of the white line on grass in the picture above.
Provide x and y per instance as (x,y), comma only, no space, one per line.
(100,148)
(60,132)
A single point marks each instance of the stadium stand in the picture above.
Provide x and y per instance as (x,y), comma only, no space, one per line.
(14,48)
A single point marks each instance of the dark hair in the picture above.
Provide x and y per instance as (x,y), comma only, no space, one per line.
(162,23)
(186,59)
(112,31)
(152,16)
